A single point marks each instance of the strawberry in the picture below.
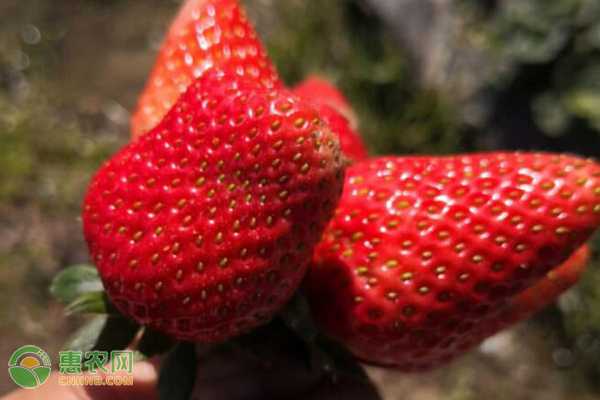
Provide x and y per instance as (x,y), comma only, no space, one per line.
(319,91)
(546,291)
(205,34)
(337,113)
(204,227)
(533,299)
(421,249)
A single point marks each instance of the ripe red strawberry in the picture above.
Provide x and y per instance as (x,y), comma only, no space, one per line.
(204,227)
(422,249)
(533,299)
(205,34)
(337,113)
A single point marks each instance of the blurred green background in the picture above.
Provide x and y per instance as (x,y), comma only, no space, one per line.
(425,76)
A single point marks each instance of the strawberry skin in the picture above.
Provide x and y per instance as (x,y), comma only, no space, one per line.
(420,250)
(546,291)
(205,34)
(337,113)
(204,227)
(319,91)
(533,299)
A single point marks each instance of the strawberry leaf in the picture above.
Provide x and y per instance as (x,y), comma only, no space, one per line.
(92,303)
(153,343)
(74,281)
(296,316)
(178,373)
(103,333)
(85,337)
(342,362)
(261,345)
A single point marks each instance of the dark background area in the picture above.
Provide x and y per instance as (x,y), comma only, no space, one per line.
(425,77)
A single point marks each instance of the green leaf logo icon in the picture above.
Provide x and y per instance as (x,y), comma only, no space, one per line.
(29,367)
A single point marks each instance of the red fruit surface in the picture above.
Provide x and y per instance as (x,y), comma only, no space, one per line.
(535,298)
(204,227)
(337,113)
(320,91)
(422,249)
(205,34)
(546,291)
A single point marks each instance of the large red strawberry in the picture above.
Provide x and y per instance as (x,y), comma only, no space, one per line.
(205,34)
(204,227)
(337,113)
(422,249)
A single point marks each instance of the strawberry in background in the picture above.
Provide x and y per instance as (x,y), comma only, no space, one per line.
(422,251)
(320,91)
(205,34)
(209,34)
(337,113)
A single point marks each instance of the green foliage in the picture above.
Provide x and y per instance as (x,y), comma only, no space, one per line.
(73,282)
(42,156)
(103,333)
(50,145)
(354,50)
(81,289)
(91,303)
(46,155)
(564,36)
